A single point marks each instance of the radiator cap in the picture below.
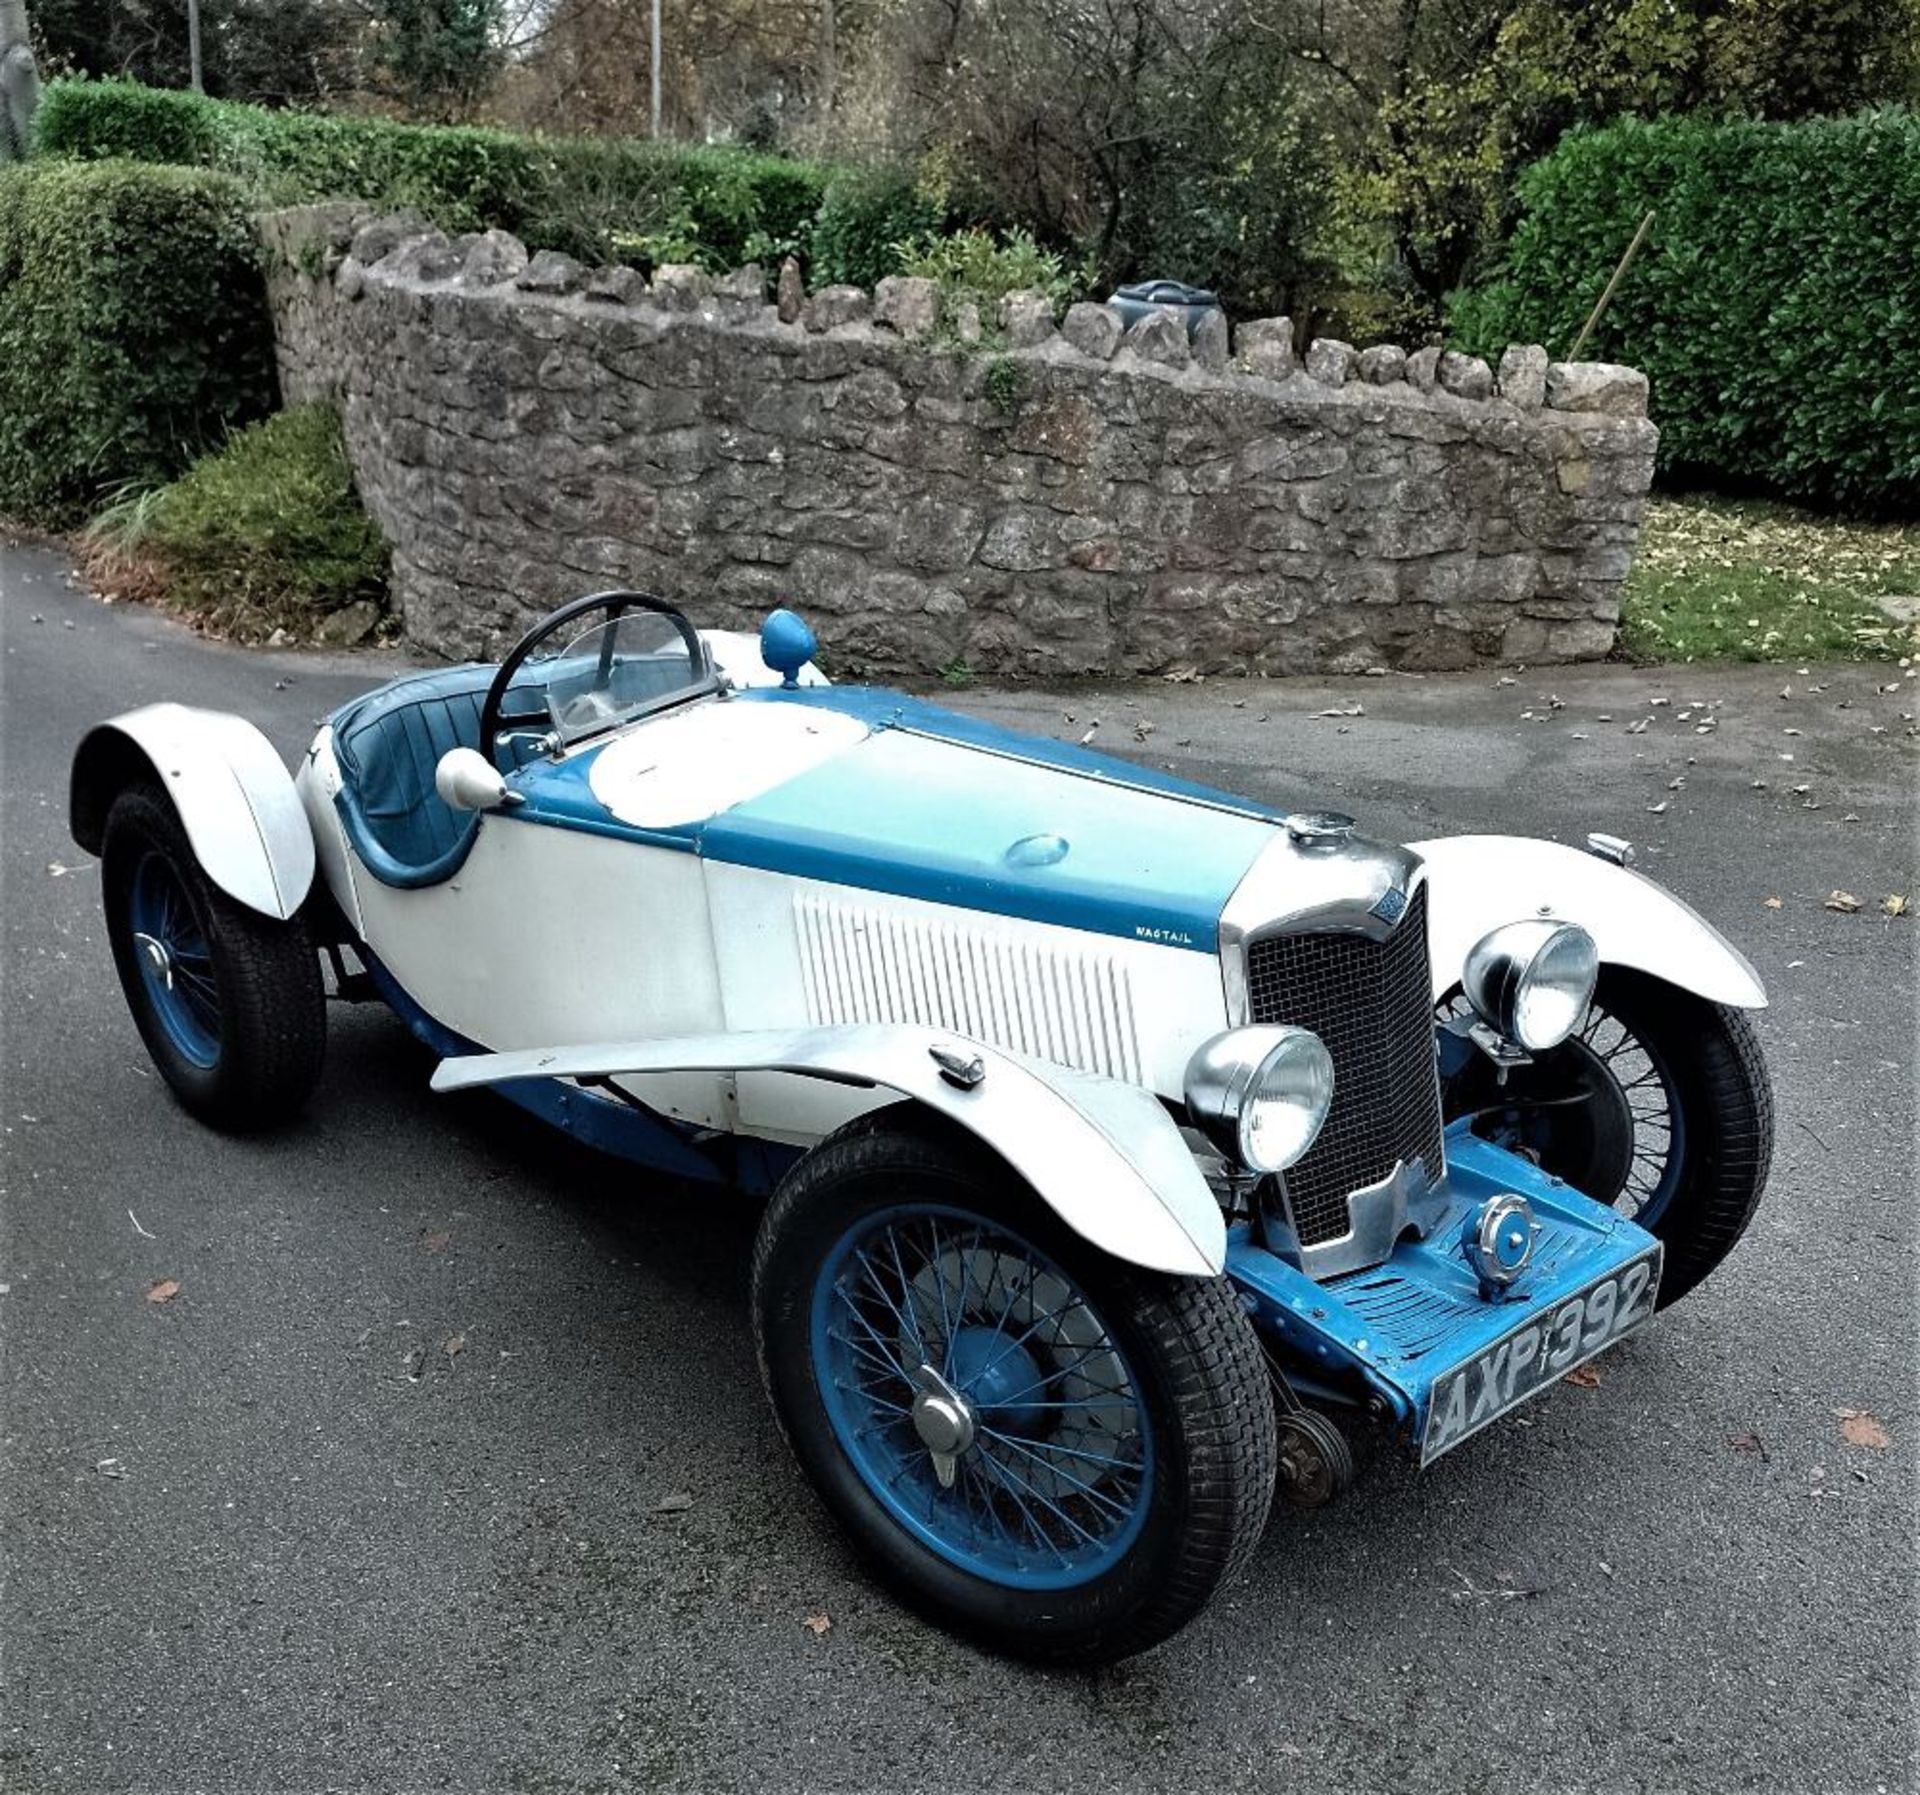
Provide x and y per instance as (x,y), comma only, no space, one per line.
(1311,826)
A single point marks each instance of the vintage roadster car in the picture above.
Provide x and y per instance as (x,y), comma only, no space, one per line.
(1120,1134)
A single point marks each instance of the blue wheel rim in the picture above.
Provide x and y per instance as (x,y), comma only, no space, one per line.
(1659,1145)
(1055,1487)
(175,961)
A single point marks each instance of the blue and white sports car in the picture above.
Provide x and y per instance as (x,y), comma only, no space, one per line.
(1121,1137)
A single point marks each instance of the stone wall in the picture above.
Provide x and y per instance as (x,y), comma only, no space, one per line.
(1079,500)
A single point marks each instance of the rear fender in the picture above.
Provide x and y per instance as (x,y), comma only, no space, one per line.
(234,798)
(1477,882)
(1105,1156)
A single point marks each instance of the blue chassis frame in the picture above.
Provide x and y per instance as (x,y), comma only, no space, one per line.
(1386,1335)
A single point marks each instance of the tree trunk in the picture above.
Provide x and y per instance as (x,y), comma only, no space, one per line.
(829,57)
(19,83)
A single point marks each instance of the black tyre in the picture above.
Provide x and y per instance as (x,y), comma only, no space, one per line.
(1106,1432)
(229,1002)
(1659,1105)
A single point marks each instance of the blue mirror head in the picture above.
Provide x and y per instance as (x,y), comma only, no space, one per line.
(786,644)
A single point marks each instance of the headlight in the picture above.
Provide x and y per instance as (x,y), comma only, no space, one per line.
(1531,981)
(1260,1094)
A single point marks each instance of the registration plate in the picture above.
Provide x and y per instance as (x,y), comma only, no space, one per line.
(1546,1346)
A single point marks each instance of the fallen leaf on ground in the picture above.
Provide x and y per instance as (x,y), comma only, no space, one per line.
(163,1290)
(434,1243)
(676,1504)
(1773,903)
(1748,1443)
(1843,901)
(1586,1376)
(1895,905)
(456,1345)
(109,1467)
(818,1625)
(1858,1428)
(1352,708)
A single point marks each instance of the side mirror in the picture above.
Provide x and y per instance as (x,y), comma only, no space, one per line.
(467,780)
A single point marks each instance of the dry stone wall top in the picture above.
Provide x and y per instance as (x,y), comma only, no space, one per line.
(1080,499)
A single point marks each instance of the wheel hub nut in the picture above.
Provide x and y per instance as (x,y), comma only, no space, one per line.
(157,957)
(943,1419)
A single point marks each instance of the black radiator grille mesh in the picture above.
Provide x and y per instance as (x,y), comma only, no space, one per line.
(1371,1002)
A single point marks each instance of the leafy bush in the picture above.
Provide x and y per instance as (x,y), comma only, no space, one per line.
(1773,306)
(595,198)
(266,532)
(978,266)
(864,219)
(133,327)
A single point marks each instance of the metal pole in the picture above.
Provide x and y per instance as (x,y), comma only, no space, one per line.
(654,53)
(1619,274)
(193,46)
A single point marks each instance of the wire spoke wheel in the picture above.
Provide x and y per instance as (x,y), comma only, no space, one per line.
(227,1000)
(1042,1475)
(1655,1139)
(1658,1105)
(1051,1449)
(1601,1111)
(175,961)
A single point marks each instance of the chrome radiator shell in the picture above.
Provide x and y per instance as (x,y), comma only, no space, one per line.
(1331,935)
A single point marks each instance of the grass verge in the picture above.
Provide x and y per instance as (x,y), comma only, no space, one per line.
(265,534)
(1746,580)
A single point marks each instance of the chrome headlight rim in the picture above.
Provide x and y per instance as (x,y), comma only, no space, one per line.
(1531,981)
(1260,1094)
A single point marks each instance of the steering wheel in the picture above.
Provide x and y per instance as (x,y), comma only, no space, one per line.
(614,603)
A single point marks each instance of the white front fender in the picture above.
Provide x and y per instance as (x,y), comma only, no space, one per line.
(1477,882)
(235,800)
(1105,1156)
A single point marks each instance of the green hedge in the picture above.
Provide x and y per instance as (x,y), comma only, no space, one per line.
(865,218)
(596,198)
(1775,306)
(266,532)
(133,327)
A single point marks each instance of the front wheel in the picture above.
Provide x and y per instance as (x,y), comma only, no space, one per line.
(1659,1105)
(229,1002)
(1033,1443)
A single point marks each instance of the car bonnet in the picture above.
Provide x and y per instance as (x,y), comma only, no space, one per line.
(945,808)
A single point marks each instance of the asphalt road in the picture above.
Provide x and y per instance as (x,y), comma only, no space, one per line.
(447,1466)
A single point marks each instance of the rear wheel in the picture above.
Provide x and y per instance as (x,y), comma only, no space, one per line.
(1033,1443)
(229,1002)
(1658,1105)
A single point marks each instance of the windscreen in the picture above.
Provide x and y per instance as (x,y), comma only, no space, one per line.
(616,668)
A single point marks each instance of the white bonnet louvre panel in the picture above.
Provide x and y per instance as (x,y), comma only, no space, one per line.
(1071,1005)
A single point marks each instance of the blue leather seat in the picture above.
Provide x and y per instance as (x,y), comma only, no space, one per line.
(388,745)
